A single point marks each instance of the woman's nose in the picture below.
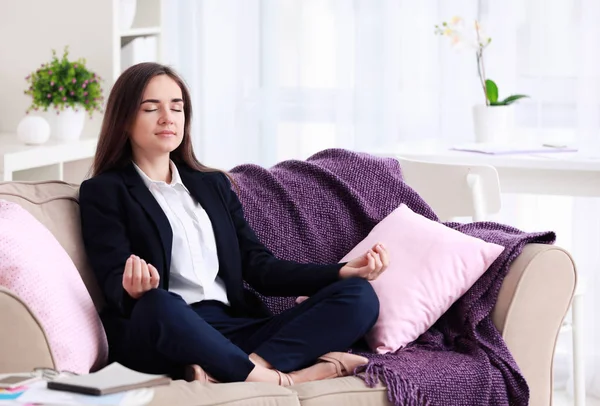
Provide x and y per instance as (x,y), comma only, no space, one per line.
(166,117)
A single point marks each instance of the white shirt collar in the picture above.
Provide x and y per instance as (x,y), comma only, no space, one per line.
(175,178)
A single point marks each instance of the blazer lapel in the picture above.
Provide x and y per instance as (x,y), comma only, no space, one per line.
(144,197)
(207,197)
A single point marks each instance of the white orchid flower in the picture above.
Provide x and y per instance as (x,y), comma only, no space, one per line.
(462,37)
(483,39)
(474,38)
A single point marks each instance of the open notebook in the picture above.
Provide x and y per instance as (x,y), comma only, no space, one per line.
(111,379)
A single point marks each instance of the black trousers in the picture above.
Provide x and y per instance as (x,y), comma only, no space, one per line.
(165,333)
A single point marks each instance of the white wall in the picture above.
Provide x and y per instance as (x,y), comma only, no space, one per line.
(30,29)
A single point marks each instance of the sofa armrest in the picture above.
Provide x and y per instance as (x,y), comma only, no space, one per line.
(23,342)
(531,306)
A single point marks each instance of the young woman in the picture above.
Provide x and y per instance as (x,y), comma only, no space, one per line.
(170,248)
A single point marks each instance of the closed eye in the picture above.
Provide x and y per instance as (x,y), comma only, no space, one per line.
(149,111)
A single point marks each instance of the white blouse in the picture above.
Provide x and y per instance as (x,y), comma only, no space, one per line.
(194,261)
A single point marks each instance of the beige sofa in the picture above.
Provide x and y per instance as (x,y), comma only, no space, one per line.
(532,304)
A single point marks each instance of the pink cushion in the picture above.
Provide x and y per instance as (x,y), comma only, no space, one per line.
(36,267)
(431,266)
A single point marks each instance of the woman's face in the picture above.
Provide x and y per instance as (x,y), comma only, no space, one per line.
(158,127)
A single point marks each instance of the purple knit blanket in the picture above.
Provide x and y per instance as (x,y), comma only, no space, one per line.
(317,210)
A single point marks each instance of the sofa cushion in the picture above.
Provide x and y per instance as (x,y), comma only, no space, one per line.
(24,343)
(183,393)
(35,267)
(348,391)
(54,204)
(431,266)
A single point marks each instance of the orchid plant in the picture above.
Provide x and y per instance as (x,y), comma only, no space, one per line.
(474,38)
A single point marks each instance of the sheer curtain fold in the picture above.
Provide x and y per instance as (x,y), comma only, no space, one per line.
(282,79)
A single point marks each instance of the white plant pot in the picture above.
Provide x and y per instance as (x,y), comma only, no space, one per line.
(68,125)
(126,13)
(33,130)
(493,124)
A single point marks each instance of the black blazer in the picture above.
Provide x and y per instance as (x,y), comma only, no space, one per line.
(120,217)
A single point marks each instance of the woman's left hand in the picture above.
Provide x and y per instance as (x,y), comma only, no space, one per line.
(368,266)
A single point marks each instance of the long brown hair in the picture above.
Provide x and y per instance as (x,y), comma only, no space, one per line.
(114,146)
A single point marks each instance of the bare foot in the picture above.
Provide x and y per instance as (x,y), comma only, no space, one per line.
(196,373)
(317,372)
(258,360)
(285,379)
(344,363)
(331,365)
(263,374)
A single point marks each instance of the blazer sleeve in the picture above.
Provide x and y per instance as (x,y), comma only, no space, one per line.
(267,274)
(105,239)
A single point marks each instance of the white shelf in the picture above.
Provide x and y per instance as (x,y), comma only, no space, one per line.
(143,42)
(141,32)
(16,156)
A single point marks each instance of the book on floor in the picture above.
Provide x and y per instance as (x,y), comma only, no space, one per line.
(111,379)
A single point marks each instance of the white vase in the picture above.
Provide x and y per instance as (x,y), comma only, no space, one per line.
(33,130)
(126,14)
(68,124)
(493,124)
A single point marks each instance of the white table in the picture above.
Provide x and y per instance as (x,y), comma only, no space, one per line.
(570,174)
(53,160)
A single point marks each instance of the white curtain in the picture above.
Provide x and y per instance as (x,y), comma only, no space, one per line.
(280,79)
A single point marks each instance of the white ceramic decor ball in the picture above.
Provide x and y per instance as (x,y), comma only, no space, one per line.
(33,130)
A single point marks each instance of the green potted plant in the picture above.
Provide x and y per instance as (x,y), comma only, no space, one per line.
(494,119)
(69,89)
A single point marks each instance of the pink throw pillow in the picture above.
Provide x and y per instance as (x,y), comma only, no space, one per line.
(38,270)
(431,266)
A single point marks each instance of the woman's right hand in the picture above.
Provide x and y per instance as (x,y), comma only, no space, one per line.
(139,277)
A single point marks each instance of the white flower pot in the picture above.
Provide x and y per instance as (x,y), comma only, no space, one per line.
(68,124)
(33,130)
(493,124)
(126,14)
